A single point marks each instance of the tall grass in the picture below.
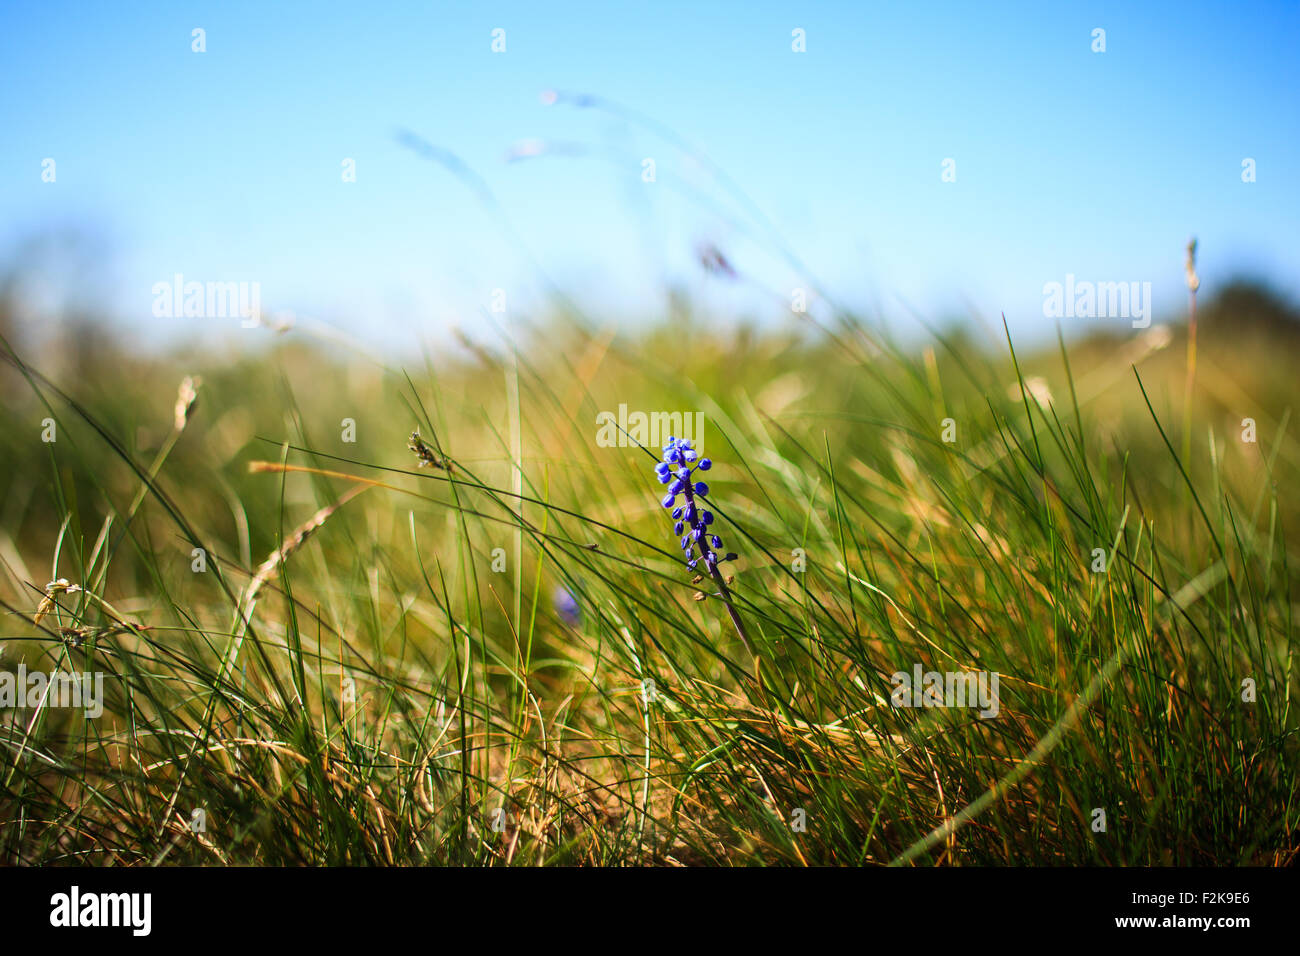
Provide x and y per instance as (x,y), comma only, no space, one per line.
(353,679)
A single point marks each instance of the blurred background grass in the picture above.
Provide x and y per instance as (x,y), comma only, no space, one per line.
(389,695)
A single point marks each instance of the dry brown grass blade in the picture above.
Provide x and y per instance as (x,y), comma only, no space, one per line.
(296,541)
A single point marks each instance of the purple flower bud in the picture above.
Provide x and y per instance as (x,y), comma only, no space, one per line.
(668,500)
(677,512)
(677,528)
(705,464)
(706,516)
(715,541)
(701,489)
(566,606)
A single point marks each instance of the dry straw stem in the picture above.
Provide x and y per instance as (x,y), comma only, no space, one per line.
(300,534)
(1193,284)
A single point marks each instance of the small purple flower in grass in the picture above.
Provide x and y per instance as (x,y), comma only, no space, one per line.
(566,606)
(680,460)
(676,464)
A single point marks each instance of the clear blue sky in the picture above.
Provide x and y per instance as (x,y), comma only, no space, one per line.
(226,165)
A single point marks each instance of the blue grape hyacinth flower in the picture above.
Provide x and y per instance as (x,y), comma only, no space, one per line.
(691,519)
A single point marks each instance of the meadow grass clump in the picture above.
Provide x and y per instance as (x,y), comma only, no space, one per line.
(322,651)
